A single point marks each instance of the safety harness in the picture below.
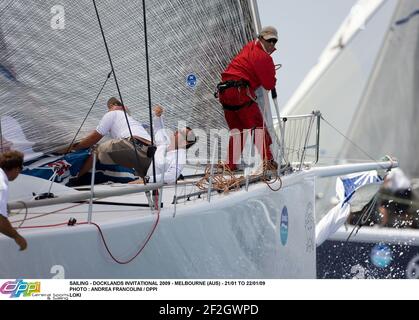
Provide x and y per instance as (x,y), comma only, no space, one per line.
(222,86)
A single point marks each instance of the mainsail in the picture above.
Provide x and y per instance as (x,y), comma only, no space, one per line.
(53,62)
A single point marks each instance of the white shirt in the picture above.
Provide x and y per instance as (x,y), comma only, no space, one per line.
(114,124)
(165,161)
(4,193)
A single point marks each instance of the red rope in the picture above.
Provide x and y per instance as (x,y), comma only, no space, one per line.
(103,237)
(139,251)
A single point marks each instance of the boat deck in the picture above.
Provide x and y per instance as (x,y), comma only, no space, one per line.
(105,210)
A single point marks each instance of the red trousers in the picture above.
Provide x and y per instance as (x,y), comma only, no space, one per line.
(247,118)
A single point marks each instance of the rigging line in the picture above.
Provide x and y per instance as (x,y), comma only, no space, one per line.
(362,220)
(193,184)
(117,84)
(1,138)
(26,214)
(126,209)
(366,212)
(90,110)
(176,182)
(148,84)
(176,188)
(147,240)
(350,141)
(47,213)
(6,7)
(52,179)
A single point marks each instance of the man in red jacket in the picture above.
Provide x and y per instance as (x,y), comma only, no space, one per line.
(251,68)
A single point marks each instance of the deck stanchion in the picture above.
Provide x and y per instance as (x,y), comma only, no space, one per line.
(214,153)
(247,169)
(92,187)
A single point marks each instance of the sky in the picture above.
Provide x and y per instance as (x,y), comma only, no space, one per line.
(305,28)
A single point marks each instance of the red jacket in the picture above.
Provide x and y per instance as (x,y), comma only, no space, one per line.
(253,64)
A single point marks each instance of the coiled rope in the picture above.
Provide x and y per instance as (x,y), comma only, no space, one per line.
(224,180)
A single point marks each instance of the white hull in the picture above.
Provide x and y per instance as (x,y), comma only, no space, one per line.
(234,236)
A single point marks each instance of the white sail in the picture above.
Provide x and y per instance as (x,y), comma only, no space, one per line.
(387,116)
(353,24)
(336,85)
(366,89)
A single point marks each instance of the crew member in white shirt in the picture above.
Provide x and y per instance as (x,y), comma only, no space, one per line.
(120,149)
(11,164)
(170,157)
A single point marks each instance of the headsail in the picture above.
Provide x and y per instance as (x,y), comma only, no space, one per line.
(387,117)
(356,21)
(368,92)
(336,85)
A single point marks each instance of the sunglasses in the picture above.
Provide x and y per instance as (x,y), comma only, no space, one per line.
(273,40)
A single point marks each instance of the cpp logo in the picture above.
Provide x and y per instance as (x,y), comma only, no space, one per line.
(20,287)
(284,226)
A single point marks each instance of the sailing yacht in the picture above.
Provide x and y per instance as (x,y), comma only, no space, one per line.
(366,87)
(58,66)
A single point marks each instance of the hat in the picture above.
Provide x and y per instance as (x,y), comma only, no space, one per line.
(269,33)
